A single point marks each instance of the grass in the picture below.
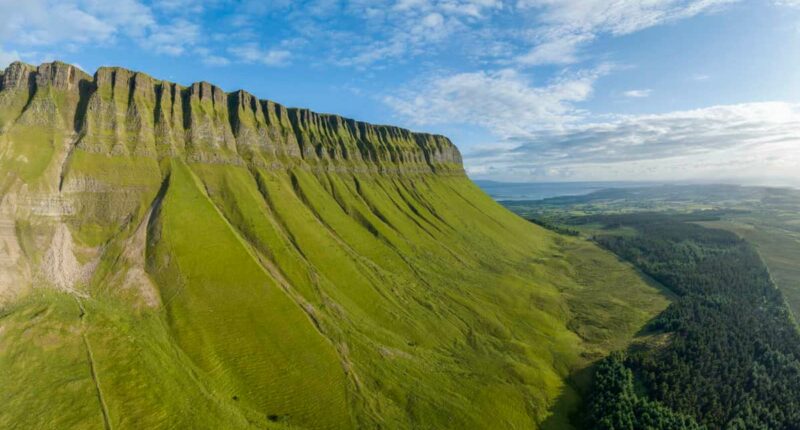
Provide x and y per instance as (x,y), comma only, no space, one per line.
(389,282)
(232,318)
(145,380)
(328,300)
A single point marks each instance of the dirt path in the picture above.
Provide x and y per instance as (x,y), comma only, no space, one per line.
(92,368)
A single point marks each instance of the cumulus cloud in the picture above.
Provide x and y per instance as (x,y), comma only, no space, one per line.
(637,94)
(354,33)
(361,33)
(505,101)
(414,27)
(734,140)
(558,50)
(173,38)
(567,25)
(252,53)
(209,58)
(48,22)
(74,23)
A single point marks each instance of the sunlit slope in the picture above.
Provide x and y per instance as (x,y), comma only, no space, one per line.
(193,259)
(134,377)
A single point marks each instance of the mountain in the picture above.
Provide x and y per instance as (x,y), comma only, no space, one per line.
(184,257)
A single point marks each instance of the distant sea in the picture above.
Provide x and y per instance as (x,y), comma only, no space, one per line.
(543,190)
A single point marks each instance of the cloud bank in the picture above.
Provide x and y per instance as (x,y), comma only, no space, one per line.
(352,33)
(504,101)
(566,26)
(744,140)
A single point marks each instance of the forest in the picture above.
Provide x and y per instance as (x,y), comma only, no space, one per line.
(729,349)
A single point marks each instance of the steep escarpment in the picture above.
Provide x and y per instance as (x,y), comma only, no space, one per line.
(120,112)
(178,256)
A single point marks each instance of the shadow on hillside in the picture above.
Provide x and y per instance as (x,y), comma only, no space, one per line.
(567,411)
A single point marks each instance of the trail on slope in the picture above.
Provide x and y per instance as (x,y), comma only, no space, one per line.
(92,367)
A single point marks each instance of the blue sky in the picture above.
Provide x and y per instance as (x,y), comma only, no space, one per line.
(530,90)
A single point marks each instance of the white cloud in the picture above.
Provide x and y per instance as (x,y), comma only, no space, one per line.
(637,94)
(173,38)
(505,101)
(209,58)
(359,33)
(49,22)
(276,57)
(472,8)
(68,25)
(433,20)
(252,53)
(180,6)
(356,33)
(744,140)
(560,50)
(567,25)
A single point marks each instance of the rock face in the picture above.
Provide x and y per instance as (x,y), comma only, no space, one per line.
(120,112)
(55,114)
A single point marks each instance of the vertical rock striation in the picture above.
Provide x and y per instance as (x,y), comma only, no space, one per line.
(89,152)
(118,112)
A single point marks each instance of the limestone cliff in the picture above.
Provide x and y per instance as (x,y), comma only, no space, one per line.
(88,151)
(121,112)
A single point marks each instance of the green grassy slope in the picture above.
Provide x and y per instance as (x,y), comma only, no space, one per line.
(233,319)
(136,375)
(388,283)
(220,279)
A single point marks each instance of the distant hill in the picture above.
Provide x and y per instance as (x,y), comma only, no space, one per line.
(531,191)
(183,257)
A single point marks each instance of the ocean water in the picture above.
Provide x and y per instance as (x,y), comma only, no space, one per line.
(515,191)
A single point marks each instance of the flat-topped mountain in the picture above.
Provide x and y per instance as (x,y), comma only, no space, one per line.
(120,112)
(182,257)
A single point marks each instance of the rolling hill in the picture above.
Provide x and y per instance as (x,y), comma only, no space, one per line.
(181,257)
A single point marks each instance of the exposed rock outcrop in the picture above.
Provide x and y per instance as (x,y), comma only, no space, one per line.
(124,113)
(81,155)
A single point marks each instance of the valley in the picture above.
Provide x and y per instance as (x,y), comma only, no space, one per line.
(723,354)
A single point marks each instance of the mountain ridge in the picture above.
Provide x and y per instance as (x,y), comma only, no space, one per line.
(191,120)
